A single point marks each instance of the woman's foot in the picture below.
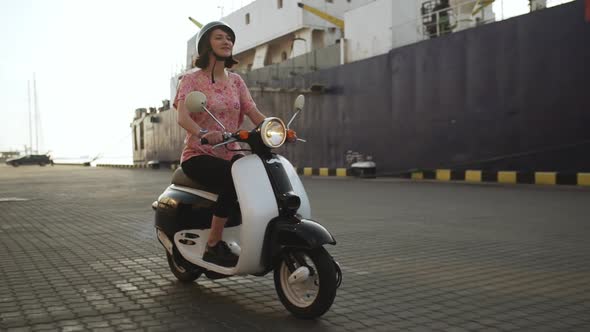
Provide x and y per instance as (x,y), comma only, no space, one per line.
(220,254)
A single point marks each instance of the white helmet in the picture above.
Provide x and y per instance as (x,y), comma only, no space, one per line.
(210,27)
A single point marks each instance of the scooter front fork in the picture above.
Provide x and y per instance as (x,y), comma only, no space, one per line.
(294,259)
(298,274)
(304,271)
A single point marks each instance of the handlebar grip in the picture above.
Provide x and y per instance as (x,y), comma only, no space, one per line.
(204,141)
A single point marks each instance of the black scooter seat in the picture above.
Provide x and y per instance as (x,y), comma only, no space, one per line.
(180,179)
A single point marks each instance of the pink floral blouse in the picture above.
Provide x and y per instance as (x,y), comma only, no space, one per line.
(229,101)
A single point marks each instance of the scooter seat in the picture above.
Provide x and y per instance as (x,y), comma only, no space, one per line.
(180,179)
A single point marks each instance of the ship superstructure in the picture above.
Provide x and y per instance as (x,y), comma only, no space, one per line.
(273,31)
(280,38)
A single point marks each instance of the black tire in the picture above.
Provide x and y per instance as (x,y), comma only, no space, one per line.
(327,275)
(14,164)
(182,270)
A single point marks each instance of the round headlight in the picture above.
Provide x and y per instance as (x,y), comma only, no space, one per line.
(273,132)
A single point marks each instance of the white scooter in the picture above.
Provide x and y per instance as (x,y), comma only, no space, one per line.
(270,230)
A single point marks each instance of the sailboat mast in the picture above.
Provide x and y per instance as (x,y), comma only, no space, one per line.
(30,118)
(36,115)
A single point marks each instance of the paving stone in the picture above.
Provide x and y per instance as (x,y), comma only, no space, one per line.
(104,329)
(438,258)
(71,328)
(19,329)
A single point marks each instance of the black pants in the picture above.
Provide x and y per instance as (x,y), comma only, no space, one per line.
(214,173)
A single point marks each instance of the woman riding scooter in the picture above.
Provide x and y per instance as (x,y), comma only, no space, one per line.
(229,100)
(272,229)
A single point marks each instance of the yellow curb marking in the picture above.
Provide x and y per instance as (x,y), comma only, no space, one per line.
(506,177)
(583,179)
(417,176)
(443,174)
(545,178)
(473,176)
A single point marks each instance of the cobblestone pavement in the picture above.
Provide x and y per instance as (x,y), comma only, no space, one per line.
(80,253)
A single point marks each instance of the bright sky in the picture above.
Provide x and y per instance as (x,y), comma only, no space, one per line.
(96,62)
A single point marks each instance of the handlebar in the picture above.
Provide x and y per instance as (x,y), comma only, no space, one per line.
(233,137)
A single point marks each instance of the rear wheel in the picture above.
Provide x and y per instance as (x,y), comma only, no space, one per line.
(314,295)
(182,270)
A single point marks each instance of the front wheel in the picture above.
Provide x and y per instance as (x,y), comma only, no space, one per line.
(310,297)
(182,270)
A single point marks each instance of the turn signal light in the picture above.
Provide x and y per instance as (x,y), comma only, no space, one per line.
(243,134)
(291,135)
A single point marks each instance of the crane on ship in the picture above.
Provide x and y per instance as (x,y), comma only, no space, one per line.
(321,14)
(197,23)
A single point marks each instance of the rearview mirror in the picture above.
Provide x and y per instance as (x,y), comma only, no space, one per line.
(195,101)
(299,103)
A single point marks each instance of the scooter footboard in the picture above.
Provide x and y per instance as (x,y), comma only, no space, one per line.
(293,232)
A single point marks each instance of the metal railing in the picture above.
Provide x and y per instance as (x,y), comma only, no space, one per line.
(523,8)
(464,15)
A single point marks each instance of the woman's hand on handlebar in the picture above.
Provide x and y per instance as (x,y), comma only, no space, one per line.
(213,137)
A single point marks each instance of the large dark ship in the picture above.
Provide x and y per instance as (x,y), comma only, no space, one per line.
(419,85)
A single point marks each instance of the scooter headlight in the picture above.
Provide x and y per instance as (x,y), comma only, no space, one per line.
(273,132)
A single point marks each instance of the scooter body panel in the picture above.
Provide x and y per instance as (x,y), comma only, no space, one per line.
(181,208)
(258,206)
(304,209)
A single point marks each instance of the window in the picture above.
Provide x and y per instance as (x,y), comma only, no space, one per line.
(284,56)
(247,18)
(141,145)
(279,4)
(330,1)
(135,137)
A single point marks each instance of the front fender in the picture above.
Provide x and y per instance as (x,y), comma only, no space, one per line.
(292,232)
(305,233)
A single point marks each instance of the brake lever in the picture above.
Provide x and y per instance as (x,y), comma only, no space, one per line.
(231,140)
